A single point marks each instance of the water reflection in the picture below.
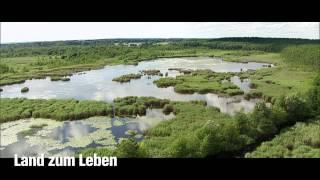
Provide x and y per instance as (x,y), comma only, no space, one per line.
(66,138)
(98,84)
(243,84)
(121,126)
(74,129)
(21,148)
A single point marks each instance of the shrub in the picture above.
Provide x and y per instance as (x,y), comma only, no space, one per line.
(296,107)
(55,78)
(25,89)
(185,146)
(253,94)
(167,109)
(166,82)
(183,89)
(127,78)
(129,148)
(219,139)
(65,79)
(253,85)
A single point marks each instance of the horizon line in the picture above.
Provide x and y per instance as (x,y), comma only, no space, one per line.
(22,42)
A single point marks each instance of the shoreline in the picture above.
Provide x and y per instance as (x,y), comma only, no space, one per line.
(71,70)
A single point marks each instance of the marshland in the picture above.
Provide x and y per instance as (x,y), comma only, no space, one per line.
(229,97)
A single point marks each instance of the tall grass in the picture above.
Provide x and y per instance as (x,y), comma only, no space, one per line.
(303,55)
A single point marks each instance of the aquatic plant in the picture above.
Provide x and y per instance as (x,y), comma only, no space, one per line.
(131,132)
(201,81)
(70,109)
(11,130)
(24,89)
(127,78)
(253,94)
(38,133)
(117,122)
(166,82)
(65,109)
(38,126)
(65,79)
(132,105)
(167,109)
(56,78)
(152,72)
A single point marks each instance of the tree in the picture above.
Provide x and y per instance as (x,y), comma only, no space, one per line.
(296,108)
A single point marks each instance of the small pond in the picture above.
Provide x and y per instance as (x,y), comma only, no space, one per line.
(30,137)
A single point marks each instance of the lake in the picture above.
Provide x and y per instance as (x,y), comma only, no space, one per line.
(98,84)
(30,137)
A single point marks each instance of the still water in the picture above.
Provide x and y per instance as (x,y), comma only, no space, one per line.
(98,84)
(68,137)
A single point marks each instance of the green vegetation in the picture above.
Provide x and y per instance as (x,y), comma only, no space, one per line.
(181,70)
(70,109)
(38,126)
(20,108)
(132,106)
(65,79)
(297,67)
(24,89)
(5,69)
(131,132)
(55,78)
(200,131)
(196,130)
(23,61)
(33,129)
(166,82)
(127,148)
(302,55)
(58,78)
(314,96)
(252,94)
(299,141)
(152,72)
(127,78)
(201,81)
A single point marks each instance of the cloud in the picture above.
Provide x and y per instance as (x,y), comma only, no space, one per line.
(309,30)
(45,31)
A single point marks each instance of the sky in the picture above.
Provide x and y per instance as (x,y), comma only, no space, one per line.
(52,31)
